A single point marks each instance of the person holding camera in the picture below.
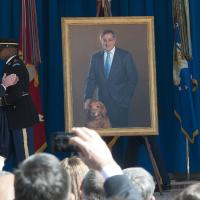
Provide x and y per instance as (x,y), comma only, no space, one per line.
(95,153)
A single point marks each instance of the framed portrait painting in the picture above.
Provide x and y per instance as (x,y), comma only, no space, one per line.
(81,40)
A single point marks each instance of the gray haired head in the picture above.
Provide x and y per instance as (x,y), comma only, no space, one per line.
(142,180)
(107,31)
(41,177)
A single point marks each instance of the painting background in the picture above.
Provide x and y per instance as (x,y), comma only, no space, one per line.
(84,41)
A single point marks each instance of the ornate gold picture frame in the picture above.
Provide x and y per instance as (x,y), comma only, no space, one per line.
(80,39)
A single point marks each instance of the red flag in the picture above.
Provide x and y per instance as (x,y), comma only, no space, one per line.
(29,46)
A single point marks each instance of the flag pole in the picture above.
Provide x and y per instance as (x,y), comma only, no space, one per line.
(183,83)
(30,49)
(187,159)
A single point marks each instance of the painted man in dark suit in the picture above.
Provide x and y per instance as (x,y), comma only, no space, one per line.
(20,111)
(113,73)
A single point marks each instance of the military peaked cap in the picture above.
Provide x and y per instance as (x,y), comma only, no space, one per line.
(8,43)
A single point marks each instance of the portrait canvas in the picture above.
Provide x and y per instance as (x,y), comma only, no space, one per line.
(80,40)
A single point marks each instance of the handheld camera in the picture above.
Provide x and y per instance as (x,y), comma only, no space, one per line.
(60,142)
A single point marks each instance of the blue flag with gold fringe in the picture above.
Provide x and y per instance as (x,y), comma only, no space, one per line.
(182,73)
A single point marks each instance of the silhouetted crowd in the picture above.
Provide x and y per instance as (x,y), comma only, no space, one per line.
(94,175)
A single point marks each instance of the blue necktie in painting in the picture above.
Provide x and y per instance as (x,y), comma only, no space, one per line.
(107,65)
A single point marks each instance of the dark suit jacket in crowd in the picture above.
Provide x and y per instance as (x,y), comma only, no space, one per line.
(121,186)
(20,110)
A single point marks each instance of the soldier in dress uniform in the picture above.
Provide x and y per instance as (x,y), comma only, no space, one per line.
(20,111)
(7,81)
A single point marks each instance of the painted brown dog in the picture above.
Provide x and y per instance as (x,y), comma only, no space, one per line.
(97,115)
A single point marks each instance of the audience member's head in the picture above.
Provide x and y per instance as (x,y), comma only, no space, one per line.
(77,170)
(41,177)
(192,192)
(92,186)
(142,180)
(7,186)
